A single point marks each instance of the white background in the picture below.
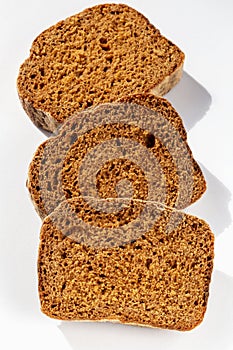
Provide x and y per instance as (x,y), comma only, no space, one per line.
(204,31)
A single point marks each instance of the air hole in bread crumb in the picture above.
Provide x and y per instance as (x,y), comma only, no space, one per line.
(63,286)
(73,138)
(150,140)
(105,47)
(63,255)
(174,265)
(103,41)
(109,59)
(148,263)
(41,70)
(68,194)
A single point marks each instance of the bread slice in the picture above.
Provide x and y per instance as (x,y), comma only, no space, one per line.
(159,278)
(99,55)
(143,121)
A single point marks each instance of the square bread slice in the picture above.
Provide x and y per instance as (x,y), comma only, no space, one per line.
(158,277)
(96,56)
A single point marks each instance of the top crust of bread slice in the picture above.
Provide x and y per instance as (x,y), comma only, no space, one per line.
(99,55)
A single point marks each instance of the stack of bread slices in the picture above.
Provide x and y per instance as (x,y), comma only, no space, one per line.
(112,179)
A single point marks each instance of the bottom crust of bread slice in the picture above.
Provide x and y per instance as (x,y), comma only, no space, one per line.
(153,270)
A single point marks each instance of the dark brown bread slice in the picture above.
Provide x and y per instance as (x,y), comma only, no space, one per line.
(99,55)
(54,170)
(159,279)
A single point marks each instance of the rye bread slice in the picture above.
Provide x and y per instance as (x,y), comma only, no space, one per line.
(99,55)
(159,278)
(163,158)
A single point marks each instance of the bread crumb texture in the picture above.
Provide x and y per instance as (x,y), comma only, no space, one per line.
(103,268)
(99,55)
(54,171)
(161,279)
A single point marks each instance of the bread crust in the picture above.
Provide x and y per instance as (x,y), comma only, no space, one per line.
(42,120)
(168,83)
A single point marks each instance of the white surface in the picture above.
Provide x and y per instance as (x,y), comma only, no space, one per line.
(204,30)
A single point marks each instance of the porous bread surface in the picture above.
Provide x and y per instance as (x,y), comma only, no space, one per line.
(160,279)
(96,56)
(57,161)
